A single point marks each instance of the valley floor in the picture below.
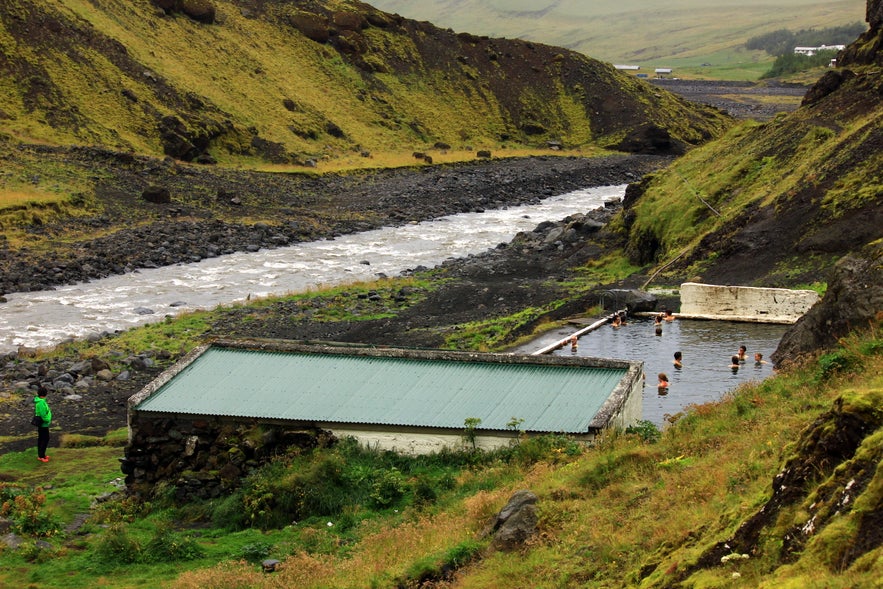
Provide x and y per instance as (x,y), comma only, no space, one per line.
(503,281)
(742,100)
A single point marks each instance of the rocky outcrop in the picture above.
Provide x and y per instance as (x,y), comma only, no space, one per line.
(199,10)
(828,83)
(854,300)
(874,14)
(868,49)
(515,523)
(833,468)
(631,299)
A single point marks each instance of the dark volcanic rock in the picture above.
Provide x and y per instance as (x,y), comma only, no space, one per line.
(516,522)
(199,10)
(854,299)
(157,195)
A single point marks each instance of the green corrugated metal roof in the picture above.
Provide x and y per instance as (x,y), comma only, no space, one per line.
(360,389)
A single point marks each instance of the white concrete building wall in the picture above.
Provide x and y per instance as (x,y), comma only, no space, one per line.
(633,408)
(414,444)
(745,303)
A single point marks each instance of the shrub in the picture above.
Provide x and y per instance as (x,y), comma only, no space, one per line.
(424,491)
(319,489)
(551,447)
(834,363)
(229,514)
(25,508)
(117,548)
(256,551)
(388,487)
(646,430)
(121,509)
(170,546)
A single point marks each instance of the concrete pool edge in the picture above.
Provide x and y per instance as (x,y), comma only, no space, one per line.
(744,303)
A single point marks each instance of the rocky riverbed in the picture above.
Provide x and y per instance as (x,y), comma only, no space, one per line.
(212,211)
(87,396)
(741,100)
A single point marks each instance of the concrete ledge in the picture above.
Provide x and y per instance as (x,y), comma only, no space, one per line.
(744,303)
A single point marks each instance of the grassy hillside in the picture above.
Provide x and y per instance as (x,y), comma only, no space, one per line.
(293,83)
(694,507)
(683,34)
(777,485)
(786,197)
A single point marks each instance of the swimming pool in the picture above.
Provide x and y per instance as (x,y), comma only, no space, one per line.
(706,346)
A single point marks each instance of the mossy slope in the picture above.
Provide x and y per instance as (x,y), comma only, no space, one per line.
(287,82)
(774,204)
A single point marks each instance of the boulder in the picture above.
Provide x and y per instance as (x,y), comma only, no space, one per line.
(313,26)
(650,139)
(515,523)
(854,300)
(199,10)
(176,139)
(827,84)
(633,300)
(351,43)
(98,365)
(166,5)
(349,21)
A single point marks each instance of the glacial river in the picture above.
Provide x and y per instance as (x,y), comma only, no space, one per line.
(46,318)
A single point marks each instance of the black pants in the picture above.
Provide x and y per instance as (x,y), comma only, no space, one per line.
(42,441)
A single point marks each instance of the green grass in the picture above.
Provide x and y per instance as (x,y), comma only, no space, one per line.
(760,165)
(683,34)
(71,479)
(494,333)
(178,335)
(634,506)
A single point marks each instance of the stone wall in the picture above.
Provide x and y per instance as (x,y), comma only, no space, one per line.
(745,303)
(203,458)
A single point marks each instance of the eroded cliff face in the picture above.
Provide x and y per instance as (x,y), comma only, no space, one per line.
(825,507)
(853,301)
(800,191)
(854,298)
(867,49)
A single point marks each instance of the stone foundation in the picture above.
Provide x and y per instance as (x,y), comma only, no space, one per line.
(204,458)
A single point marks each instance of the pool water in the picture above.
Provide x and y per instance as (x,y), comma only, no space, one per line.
(706,347)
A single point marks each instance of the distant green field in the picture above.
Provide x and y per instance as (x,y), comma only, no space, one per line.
(677,33)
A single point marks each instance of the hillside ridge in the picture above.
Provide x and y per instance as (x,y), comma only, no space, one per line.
(290,83)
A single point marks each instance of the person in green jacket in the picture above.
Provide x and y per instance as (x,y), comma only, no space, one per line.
(42,410)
